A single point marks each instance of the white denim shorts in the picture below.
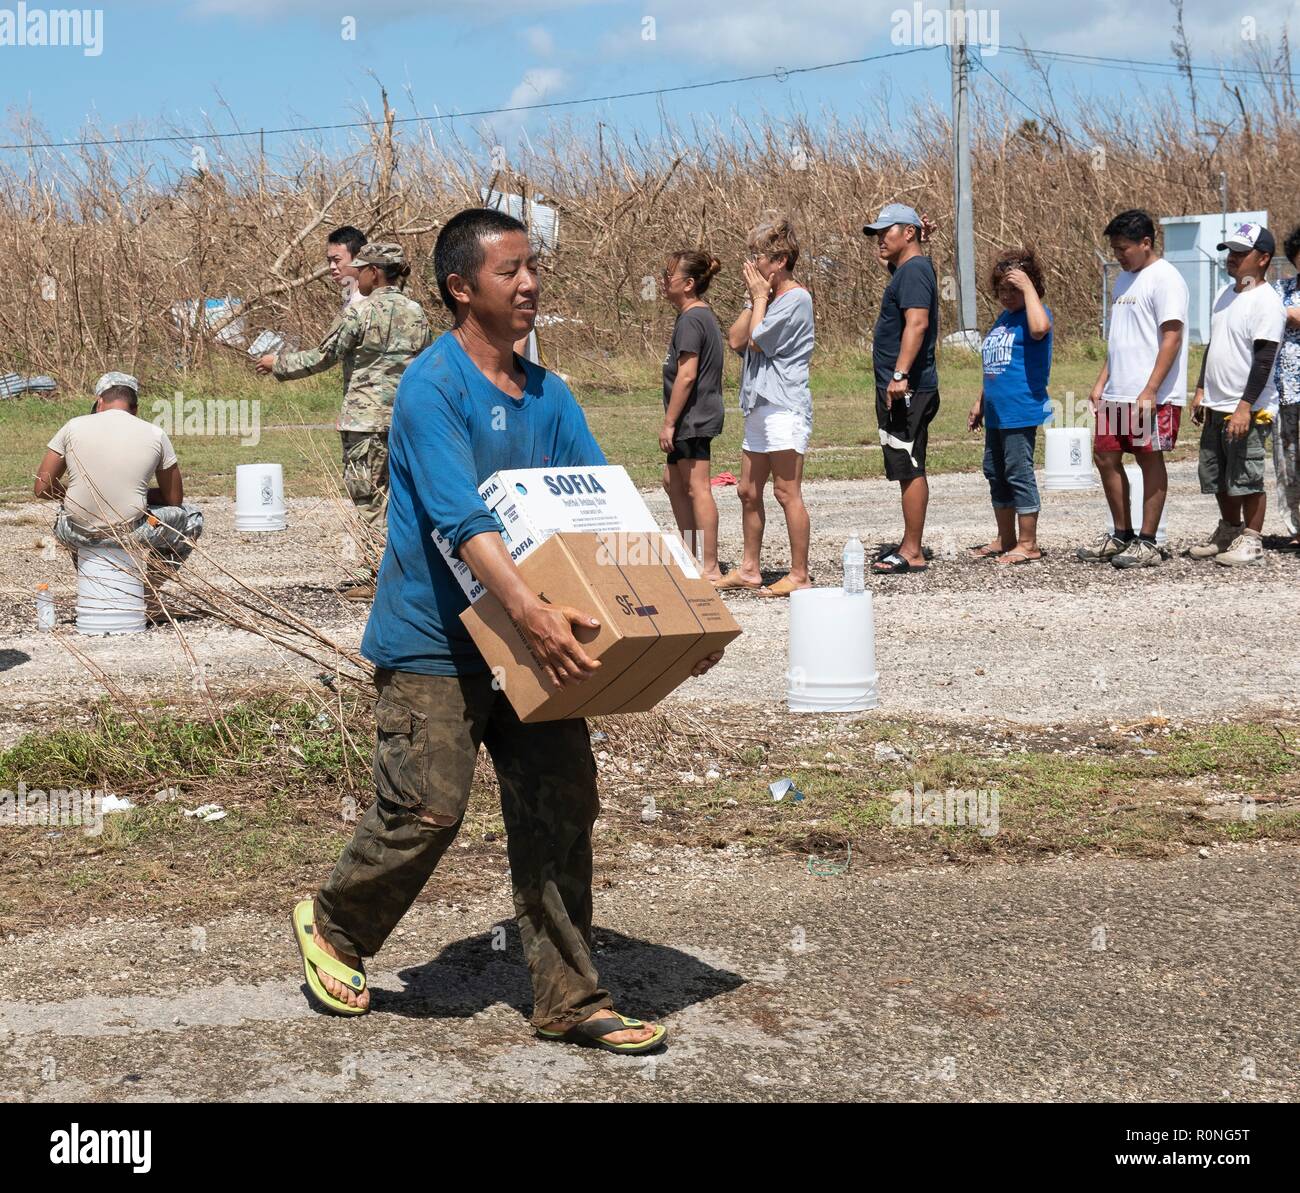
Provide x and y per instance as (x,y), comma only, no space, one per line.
(771,428)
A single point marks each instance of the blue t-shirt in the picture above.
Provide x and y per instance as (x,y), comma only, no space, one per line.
(451,430)
(1016,370)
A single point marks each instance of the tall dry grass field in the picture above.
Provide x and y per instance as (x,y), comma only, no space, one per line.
(102,242)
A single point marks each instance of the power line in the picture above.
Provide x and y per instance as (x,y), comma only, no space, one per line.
(1148,66)
(1057,125)
(1131,65)
(780,74)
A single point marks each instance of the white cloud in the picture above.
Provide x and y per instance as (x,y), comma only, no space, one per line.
(762,34)
(540,41)
(537,85)
(376,12)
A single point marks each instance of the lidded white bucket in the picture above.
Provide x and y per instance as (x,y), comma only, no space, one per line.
(110,592)
(1134,474)
(832,651)
(259,497)
(1067,458)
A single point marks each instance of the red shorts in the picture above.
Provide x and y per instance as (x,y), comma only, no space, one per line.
(1121,429)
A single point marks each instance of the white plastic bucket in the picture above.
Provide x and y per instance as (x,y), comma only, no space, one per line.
(259,497)
(1134,474)
(1067,458)
(832,651)
(110,592)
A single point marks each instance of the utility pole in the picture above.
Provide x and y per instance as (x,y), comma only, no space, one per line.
(967,332)
(1223,200)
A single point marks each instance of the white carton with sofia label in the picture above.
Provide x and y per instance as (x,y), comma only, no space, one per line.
(531,504)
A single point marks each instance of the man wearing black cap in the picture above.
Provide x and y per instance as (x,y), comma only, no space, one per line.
(1236,398)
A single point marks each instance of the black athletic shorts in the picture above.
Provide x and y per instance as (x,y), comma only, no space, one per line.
(696,448)
(905,431)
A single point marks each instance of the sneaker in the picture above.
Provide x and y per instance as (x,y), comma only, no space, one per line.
(1106,547)
(1225,534)
(1246,548)
(1138,554)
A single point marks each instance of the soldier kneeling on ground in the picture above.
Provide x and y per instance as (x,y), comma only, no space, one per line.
(99,467)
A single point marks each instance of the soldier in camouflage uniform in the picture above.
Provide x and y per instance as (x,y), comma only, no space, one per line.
(374,341)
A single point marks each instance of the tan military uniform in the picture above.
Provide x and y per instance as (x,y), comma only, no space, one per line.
(374,341)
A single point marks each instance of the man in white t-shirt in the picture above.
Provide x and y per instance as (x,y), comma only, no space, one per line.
(1236,397)
(1139,395)
(102,467)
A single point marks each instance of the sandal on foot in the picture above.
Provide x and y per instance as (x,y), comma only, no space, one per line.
(782,587)
(314,958)
(984,551)
(732,580)
(1016,557)
(592,1033)
(896,565)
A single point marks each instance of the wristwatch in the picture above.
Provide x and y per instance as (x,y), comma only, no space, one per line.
(899,376)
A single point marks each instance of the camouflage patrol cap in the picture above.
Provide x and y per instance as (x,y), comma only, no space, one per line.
(109,380)
(384,254)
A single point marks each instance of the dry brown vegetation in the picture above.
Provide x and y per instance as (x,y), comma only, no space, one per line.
(124,239)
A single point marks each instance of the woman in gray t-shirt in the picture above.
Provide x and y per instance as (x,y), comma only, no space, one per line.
(692,403)
(774,334)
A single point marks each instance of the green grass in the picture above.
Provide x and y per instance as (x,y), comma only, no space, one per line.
(1110,797)
(293,790)
(253,740)
(296,421)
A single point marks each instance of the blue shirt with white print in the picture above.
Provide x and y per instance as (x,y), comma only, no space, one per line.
(1016,372)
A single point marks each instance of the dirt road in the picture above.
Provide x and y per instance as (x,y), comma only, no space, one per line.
(1056,641)
(1082,980)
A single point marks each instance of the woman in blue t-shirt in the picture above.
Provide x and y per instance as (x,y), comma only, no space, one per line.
(1013,404)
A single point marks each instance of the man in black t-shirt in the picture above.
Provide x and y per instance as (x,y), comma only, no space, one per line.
(907,382)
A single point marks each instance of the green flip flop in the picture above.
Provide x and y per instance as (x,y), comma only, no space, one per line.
(592,1033)
(314,958)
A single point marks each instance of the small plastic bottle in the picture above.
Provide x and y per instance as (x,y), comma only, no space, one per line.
(44,608)
(855,559)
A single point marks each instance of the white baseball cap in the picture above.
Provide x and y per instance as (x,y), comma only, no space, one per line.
(1245,237)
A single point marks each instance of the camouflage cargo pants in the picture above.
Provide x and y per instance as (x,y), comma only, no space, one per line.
(166,535)
(365,474)
(429,729)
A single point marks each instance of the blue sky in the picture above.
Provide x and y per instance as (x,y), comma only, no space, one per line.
(278,62)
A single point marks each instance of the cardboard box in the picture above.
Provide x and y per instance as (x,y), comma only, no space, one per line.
(531,504)
(656,623)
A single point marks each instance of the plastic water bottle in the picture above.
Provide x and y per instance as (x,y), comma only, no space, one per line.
(44,608)
(855,559)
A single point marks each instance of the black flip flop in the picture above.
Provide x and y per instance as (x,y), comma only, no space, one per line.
(898,566)
(892,549)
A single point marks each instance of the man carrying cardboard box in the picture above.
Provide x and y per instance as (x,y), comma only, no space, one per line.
(467,407)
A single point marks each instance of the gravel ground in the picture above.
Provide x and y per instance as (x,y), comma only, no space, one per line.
(944,984)
(1055,641)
